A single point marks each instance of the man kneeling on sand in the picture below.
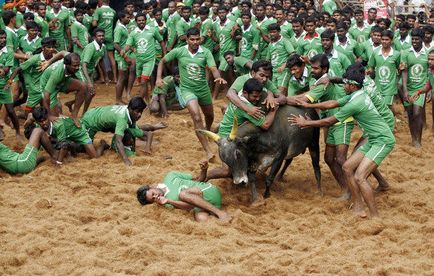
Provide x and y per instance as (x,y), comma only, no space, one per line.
(180,190)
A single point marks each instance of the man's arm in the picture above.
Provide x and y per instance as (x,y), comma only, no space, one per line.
(203,171)
(90,86)
(216,74)
(159,81)
(180,204)
(269,119)
(324,105)
(305,123)
(121,150)
(253,111)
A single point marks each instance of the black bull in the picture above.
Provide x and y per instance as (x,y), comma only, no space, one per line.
(249,149)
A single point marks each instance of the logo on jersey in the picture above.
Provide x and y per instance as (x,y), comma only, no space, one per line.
(384,73)
(274,59)
(142,45)
(243,44)
(312,53)
(416,71)
(361,39)
(194,72)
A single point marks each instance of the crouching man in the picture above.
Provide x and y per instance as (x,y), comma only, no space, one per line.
(180,190)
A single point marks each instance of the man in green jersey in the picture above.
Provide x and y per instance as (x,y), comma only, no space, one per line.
(300,76)
(41,10)
(166,97)
(182,25)
(65,131)
(278,52)
(143,40)
(125,63)
(338,135)
(58,77)
(368,157)
(338,60)
(225,34)
(250,37)
(31,41)
(20,163)
(58,25)
(310,44)
(79,32)
(299,33)
(238,65)
(194,93)
(104,18)
(6,99)
(367,48)
(385,63)
(285,27)
(261,24)
(414,78)
(360,31)
(182,191)
(403,41)
(345,44)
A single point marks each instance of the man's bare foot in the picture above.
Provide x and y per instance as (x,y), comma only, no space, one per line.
(69,105)
(224,217)
(359,210)
(147,151)
(210,157)
(382,188)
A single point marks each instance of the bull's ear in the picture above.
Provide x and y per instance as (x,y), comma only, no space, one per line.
(214,136)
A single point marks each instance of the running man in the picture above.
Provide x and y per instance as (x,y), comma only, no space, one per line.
(368,157)
(194,93)
(182,191)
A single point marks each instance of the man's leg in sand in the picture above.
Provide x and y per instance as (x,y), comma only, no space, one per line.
(82,95)
(349,169)
(194,197)
(111,58)
(120,86)
(14,119)
(217,173)
(365,168)
(331,156)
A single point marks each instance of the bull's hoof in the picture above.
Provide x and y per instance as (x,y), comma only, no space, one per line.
(267,194)
(260,201)
(320,193)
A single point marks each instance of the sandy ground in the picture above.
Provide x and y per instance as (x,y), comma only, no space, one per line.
(84,218)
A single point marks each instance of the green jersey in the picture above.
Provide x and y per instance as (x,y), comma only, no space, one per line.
(87,22)
(366,50)
(120,37)
(21,32)
(240,81)
(348,48)
(11,39)
(299,86)
(182,27)
(59,31)
(43,24)
(223,32)
(386,70)
(242,116)
(169,89)
(286,30)
(417,68)
(360,107)
(6,60)
(64,129)
(205,27)
(79,32)
(14,163)
(144,42)
(278,53)
(296,40)
(31,73)
(112,118)
(309,46)
(192,67)
(240,66)
(249,41)
(91,55)
(171,23)
(19,19)
(29,47)
(401,45)
(53,79)
(338,63)
(329,6)
(262,51)
(105,16)
(360,34)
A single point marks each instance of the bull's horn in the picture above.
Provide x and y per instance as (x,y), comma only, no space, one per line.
(215,137)
(234,130)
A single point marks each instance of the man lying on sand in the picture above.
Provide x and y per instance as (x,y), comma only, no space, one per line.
(182,191)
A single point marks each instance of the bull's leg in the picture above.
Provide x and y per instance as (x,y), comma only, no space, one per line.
(315,156)
(283,170)
(275,167)
(252,183)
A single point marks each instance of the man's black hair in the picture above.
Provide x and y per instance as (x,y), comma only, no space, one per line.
(7,16)
(79,11)
(264,64)
(93,4)
(232,53)
(273,27)
(412,16)
(140,14)
(3,32)
(137,103)
(341,25)
(294,60)
(40,114)
(328,34)
(185,8)
(252,85)
(387,33)
(376,29)
(418,32)
(48,41)
(28,15)
(404,25)
(354,73)
(156,10)
(322,60)
(121,14)
(192,31)
(310,19)
(67,60)
(203,10)
(428,29)
(141,194)
(98,30)
(32,25)
(244,13)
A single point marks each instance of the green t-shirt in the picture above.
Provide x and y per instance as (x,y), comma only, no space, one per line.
(296,41)
(169,89)
(361,108)
(360,34)
(286,30)
(8,159)
(11,39)
(19,19)
(21,32)
(240,66)
(417,68)
(249,41)
(299,86)
(338,63)
(242,116)
(31,73)
(263,25)
(79,31)
(207,25)
(181,28)
(112,118)
(64,129)
(401,45)
(53,79)
(171,23)
(386,71)
(278,52)
(309,47)
(366,50)
(59,31)
(87,22)
(29,47)
(91,55)
(223,32)
(105,16)
(329,6)
(144,42)
(240,81)
(6,60)
(120,37)
(43,24)
(192,67)
(348,49)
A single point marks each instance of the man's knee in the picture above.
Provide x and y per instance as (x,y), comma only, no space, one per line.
(154,107)
(340,159)
(184,195)
(201,216)
(359,178)
(329,158)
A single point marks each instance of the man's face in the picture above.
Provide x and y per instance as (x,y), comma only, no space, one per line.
(74,66)
(286,4)
(262,75)
(245,20)
(141,22)
(253,97)
(22,8)
(152,194)
(158,16)
(79,17)
(327,43)
(32,33)
(274,35)
(316,70)
(331,26)
(44,124)
(341,32)
(310,11)
(193,42)
(66,3)
(297,71)
(2,41)
(411,21)
(382,24)
(297,28)
(337,16)
(301,10)
(431,21)
(186,14)
(42,11)
(376,37)
(55,4)
(129,9)
(428,36)
(290,16)
(215,7)
(431,61)
(28,20)
(279,15)
(222,15)
(196,7)
(403,32)
(99,38)
(48,50)
(310,27)
(416,42)
(126,20)
(207,3)
(135,114)
(245,8)
(372,15)
(260,12)
(359,17)
(269,11)
(227,4)
(203,17)
(386,42)
(229,59)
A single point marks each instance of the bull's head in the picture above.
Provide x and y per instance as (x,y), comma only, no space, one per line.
(232,151)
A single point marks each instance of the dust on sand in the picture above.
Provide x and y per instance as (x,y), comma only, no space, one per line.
(84,217)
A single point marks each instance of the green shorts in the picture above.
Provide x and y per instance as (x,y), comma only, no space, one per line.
(281,79)
(212,195)
(109,44)
(186,95)
(26,161)
(34,97)
(420,101)
(54,101)
(339,134)
(144,68)
(80,136)
(375,151)
(122,63)
(6,96)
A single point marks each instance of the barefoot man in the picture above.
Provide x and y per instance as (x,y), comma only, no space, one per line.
(195,93)
(180,190)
